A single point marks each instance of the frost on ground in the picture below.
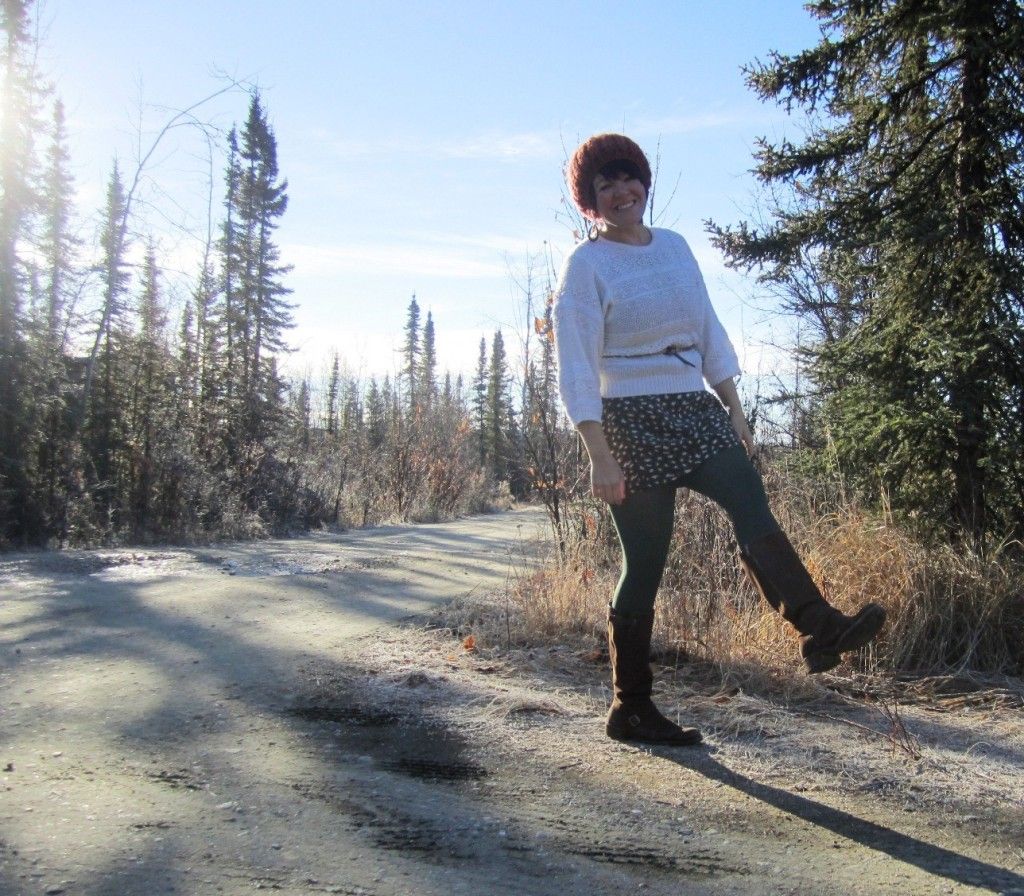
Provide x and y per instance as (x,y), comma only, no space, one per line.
(280,716)
(912,744)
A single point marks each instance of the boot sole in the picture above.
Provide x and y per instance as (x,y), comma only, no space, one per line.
(687,740)
(865,625)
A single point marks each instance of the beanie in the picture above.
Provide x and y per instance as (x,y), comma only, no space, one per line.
(588,160)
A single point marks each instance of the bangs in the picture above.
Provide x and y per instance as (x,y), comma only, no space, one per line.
(618,167)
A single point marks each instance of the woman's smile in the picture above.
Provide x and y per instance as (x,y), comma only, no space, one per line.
(620,203)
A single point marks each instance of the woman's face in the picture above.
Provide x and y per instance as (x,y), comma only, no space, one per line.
(621,200)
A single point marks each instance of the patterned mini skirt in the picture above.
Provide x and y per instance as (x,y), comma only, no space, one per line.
(658,439)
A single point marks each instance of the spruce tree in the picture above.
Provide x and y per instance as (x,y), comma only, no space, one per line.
(147,394)
(233,320)
(428,364)
(51,434)
(103,397)
(498,410)
(897,228)
(19,98)
(411,352)
(332,397)
(479,402)
(261,312)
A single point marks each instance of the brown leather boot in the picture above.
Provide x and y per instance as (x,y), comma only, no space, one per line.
(632,715)
(776,571)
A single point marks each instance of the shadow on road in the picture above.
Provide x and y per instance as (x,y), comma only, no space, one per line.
(933,859)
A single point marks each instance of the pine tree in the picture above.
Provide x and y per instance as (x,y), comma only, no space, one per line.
(19,98)
(213,370)
(102,399)
(231,248)
(147,395)
(479,402)
(411,352)
(428,364)
(267,314)
(498,410)
(58,243)
(186,375)
(332,397)
(51,433)
(376,414)
(900,234)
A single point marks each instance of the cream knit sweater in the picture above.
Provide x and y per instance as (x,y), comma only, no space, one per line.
(619,308)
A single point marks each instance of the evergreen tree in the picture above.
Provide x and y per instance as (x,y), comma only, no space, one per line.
(58,243)
(231,248)
(411,352)
(267,313)
(901,237)
(428,364)
(213,370)
(51,432)
(303,417)
(479,402)
(147,397)
(498,411)
(376,415)
(259,311)
(332,397)
(19,97)
(186,373)
(103,399)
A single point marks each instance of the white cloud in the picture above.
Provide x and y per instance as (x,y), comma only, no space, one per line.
(389,258)
(498,146)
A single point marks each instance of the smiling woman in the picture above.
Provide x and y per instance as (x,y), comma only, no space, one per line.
(638,343)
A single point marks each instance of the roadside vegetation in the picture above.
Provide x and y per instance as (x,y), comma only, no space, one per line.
(893,457)
(892,231)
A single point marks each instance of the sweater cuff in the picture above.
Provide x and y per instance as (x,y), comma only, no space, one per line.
(716,370)
(580,411)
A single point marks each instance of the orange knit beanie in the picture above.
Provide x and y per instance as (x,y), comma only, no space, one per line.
(591,156)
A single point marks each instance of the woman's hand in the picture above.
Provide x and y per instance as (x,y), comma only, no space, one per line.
(606,480)
(739,424)
(726,391)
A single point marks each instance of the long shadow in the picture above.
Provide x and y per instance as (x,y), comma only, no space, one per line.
(936,860)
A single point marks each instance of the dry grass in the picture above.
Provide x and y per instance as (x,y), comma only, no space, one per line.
(950,613)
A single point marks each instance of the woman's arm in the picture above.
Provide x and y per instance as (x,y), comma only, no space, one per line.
(726,391)
(606,479)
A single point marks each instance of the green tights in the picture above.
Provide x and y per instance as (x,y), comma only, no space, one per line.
(644,522)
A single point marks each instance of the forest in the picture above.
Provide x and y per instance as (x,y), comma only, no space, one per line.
(120,424)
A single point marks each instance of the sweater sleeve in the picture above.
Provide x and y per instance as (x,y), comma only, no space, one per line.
(716,350)
(579,339)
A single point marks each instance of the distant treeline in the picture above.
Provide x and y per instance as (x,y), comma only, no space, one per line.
(117,423)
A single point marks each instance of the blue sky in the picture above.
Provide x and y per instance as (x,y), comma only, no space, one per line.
(422,142)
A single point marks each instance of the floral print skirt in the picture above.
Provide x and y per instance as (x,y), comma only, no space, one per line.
(658,439)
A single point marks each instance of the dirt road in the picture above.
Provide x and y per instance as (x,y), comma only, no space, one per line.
(256,717)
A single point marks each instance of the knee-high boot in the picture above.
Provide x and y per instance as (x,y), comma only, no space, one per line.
(777,572)
(632,715)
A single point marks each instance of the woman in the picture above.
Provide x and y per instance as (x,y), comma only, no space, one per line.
(637,339)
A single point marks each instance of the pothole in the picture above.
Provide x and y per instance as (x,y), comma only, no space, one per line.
(436,770)
(363,716)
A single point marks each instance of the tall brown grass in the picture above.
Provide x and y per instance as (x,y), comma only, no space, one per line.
(949,611)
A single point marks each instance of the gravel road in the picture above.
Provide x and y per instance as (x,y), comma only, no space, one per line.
(262,717)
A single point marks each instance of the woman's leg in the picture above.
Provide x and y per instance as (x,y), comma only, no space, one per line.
(731,481)
(644,524)
(729,478)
